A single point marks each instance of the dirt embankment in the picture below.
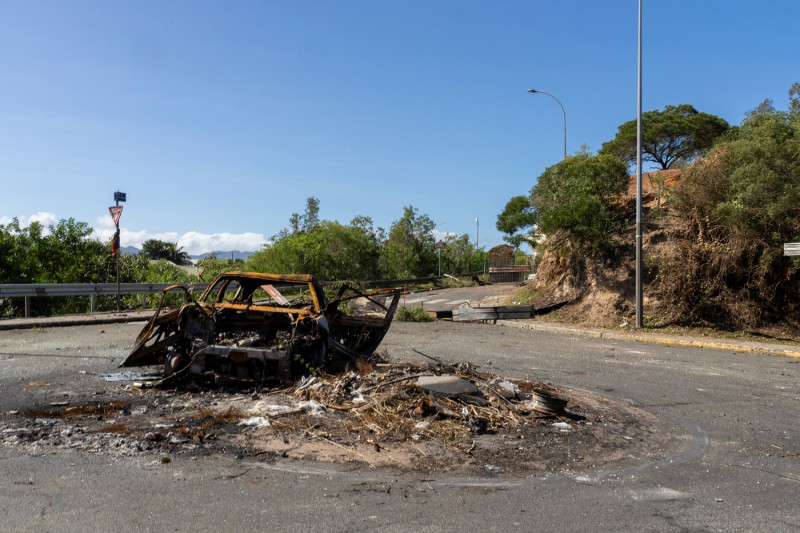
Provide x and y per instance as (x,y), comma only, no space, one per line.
(600,291)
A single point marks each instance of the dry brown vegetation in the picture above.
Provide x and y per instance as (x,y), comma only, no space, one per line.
(696,273)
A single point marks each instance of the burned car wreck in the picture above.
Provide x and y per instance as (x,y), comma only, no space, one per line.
(258,327)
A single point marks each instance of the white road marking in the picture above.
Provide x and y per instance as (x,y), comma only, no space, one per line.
(426,300)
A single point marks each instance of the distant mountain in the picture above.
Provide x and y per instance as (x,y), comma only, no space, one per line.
(235,254)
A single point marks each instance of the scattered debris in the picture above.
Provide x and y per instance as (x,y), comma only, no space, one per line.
(546,403)
(132,375)
(372,414)
(493,469)
(255,421)
(426,416)
(544,309)
(503,312)
(446,385)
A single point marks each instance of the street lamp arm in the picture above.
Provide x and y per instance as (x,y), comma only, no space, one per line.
(563,114)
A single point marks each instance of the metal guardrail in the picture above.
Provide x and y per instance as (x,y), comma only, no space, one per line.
(92,290)
(28,291)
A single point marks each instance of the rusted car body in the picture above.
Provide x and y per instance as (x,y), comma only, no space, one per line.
(256,326)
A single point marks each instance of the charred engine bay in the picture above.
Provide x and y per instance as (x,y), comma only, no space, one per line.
(425,417)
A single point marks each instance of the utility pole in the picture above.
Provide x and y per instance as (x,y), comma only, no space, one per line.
(639,298)
(477,238)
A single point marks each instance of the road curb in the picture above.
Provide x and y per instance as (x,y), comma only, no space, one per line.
(754,348)
(74,320)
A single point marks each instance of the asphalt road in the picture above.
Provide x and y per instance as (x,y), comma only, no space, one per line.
(447,299)
(732,463)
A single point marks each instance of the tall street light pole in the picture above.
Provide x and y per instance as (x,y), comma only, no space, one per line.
(477,238)
(439,246)
(639,312)
(563,113)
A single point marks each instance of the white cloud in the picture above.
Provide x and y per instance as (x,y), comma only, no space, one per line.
(192,242)
(198,243)
(104,229)
(42,217)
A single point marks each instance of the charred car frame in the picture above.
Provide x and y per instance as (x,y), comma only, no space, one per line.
(255,326)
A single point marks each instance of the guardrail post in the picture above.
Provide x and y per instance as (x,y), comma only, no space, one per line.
(93,300)
(27,307)
(144,301)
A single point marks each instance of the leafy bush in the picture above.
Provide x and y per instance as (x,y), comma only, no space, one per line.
(163,271)
(64,253)
(580,196)
(412,314)
(329,250)
(210,267)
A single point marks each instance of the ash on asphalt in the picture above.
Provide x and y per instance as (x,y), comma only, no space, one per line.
(372,415)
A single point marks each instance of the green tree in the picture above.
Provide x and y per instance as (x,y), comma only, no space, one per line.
(767,107)
(311,217)
(169,251)
(517,221)
(154,249)
(410,249)
(64,253)
(675,135)
(794,101)
(763,170)
(580,195)
(210,267)
(330,251)
(304,223)
(459,255)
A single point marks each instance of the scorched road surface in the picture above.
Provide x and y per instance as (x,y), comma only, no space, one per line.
(731,461)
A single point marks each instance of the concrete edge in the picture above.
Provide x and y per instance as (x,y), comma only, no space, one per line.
(651,339)
(73,320)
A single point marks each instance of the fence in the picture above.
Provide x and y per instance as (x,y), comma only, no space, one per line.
(506,271)
(92,290)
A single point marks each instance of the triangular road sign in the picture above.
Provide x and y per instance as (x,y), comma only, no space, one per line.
(116,211)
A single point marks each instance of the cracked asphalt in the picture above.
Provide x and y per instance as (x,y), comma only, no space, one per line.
(732,461)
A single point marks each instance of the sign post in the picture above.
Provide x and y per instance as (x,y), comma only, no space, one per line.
(439,248)
(116,211)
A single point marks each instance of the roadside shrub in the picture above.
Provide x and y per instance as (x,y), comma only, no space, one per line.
(580,196)
(739,205)
(412,314)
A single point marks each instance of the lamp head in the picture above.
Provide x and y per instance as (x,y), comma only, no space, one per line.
(532,91)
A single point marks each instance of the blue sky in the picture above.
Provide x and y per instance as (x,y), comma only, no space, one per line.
(219,119)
